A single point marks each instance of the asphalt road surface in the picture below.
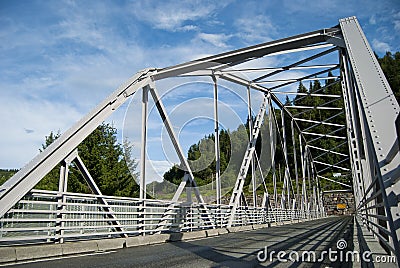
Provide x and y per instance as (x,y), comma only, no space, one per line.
(241,249)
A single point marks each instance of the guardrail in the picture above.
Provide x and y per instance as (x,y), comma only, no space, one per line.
(54,217)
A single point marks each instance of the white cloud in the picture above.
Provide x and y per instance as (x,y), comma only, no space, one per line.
(397,25)
(255,29)
(50,82)
(304,6)
(156,169)
(27,123)
(380,46)
(396,15)
(173,15)
(218,40)
(372,20)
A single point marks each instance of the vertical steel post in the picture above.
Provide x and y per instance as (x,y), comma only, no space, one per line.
(142,186)
(295,162)
(353,131)
(271,139)
(308,189)
(320,198)
(287,174)
(216,143)
(145,99)
(250,120)
(303,171)
(189,195)
(313,177)
(62,189)
(356,149)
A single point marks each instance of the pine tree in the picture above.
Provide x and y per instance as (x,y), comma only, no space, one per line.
(50,181)
(105,160)
(390,65)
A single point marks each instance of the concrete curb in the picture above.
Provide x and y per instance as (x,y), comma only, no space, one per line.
(109,244)
(260,226)
(157,238)
(7,254)
(233,229)
(222,231)
(37,252)
(187,236)
(146,240)
(212,232)
(136,241)
(79,247)
(246,228)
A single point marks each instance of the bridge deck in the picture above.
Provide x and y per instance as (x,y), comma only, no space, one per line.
(230,250)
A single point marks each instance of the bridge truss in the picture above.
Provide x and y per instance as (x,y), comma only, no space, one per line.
(363,147)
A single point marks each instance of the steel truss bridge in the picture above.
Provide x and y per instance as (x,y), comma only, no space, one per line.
(366,149)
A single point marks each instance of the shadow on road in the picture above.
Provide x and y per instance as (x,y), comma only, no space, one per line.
(232,250)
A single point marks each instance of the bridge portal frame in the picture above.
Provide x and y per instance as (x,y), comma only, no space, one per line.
(370,107)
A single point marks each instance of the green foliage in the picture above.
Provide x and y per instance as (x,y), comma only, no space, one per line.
(174,175)
(50,181)
(104,158)
(390,65)
(5,174)
(202,162)
(233,145)
(50,139)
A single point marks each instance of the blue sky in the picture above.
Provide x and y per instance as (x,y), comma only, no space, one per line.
(58,59)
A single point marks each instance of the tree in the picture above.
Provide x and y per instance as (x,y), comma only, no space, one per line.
(174,175)
(390,65)
(50,181)
(104,158)
(5,174)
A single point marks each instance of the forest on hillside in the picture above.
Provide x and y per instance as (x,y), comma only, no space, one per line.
(390,64)
(104,156)
(240,138)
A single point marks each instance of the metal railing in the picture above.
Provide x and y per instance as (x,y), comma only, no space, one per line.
(54,217)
